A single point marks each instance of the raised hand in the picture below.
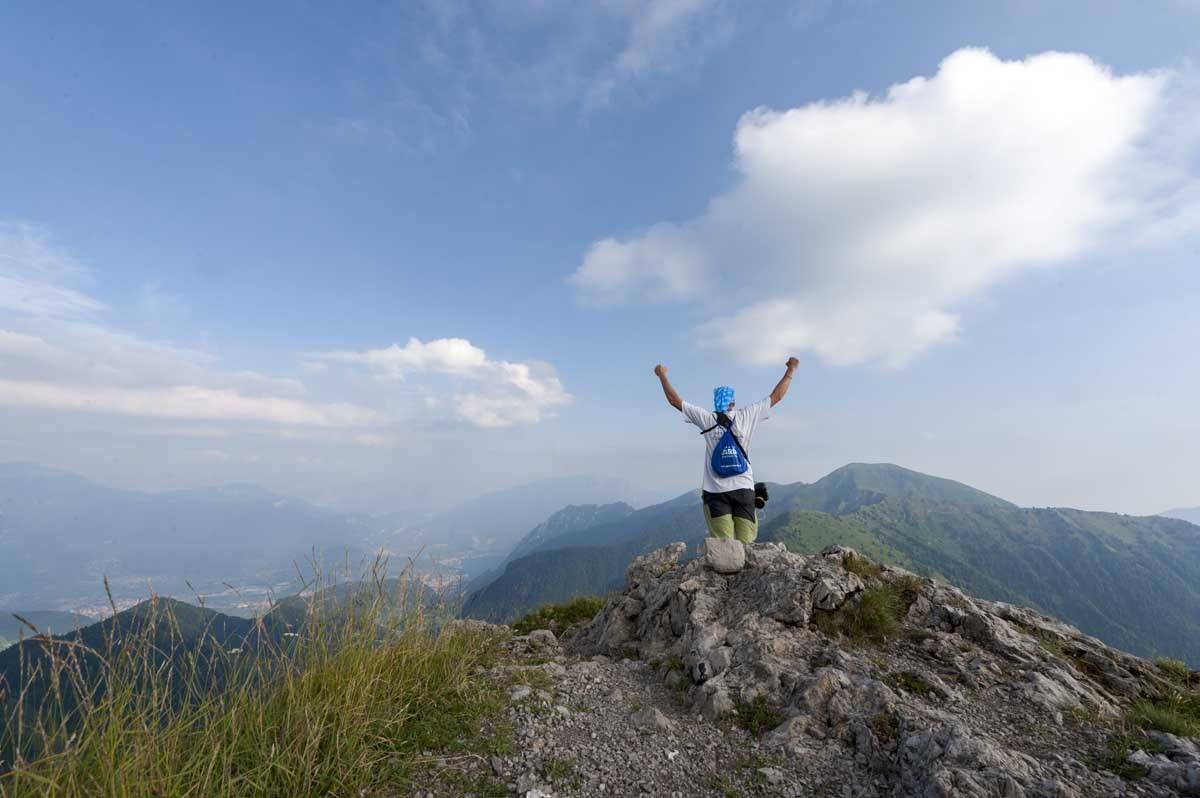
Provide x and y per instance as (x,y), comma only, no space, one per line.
(660,370)
(792,363)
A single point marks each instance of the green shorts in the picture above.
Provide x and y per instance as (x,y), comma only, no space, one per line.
(731,514)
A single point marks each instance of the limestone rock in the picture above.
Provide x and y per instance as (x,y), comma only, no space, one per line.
(542,639)
(762,632)
(651,719)
(725,556)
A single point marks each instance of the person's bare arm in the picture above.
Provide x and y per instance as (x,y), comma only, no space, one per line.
(781,388)
(673,397)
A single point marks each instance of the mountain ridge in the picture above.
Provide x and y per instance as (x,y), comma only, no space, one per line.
(1093,569)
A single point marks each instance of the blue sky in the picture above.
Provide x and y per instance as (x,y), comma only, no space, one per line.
(421,250)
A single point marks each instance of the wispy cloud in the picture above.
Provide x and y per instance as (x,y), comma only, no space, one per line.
(860,227)
(36,276)
(58,352)
(184,402)
(661,37)
(432,69)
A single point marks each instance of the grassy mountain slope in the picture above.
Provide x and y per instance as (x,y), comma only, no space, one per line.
(550,532)
(861,484)
(588,562)
(570,519)
(1132,581)
(810,531)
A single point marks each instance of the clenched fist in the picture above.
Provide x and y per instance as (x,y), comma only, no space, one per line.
(660,370)
(792,363)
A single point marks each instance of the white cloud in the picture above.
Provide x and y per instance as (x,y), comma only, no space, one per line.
(444,355)
(662,37)
(509,393)
(858,228)
(190,402)
(71,360)
(57,353)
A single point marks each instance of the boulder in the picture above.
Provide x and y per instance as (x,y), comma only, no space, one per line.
(725,556)
(651,719)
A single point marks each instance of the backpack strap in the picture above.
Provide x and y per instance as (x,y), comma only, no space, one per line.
(722,421)
(727,422)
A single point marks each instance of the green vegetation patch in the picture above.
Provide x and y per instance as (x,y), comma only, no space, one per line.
(861,566)
(723,785)
(874,615)
(757,716)
(1177,713)
(1120,746)
(1174,712)
(559,617)
(533,677)
(561,770)
(1177,671)
(910,682)
(886,726)
(346,709)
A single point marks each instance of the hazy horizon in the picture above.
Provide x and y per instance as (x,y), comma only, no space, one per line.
(402,257)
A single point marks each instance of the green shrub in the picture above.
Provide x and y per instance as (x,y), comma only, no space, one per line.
(886,726)
(757,716)
(873,615)
(558,617)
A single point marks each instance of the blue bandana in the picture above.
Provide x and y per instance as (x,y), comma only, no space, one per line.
(722,398)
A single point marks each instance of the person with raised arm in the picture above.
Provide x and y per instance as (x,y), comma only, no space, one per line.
(731,498)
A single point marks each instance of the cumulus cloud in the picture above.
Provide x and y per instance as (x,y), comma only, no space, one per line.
(503,393)
(859,228)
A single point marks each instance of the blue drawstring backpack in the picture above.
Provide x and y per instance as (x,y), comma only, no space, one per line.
(728,458)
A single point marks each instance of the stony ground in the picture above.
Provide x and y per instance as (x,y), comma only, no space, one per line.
(606,727)
(714,678)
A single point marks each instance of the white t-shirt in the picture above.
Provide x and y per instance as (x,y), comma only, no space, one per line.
(745,419)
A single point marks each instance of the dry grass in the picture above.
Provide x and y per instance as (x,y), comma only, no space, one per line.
(344,706)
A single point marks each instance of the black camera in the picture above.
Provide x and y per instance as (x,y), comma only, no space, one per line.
(760,495)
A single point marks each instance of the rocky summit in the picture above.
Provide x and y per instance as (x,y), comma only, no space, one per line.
(749,670)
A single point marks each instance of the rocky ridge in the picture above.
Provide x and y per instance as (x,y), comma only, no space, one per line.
(753,671)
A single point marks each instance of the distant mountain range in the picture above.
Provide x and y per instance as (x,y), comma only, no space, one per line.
(46,622)
(61,534)
(488,527)
(1189,514)
(1132,581)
